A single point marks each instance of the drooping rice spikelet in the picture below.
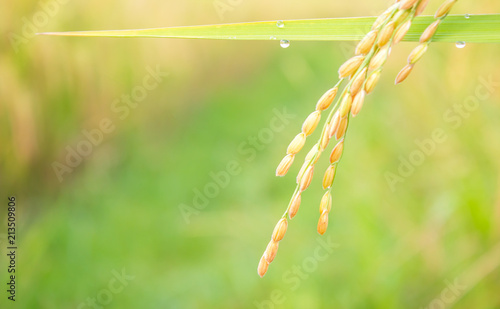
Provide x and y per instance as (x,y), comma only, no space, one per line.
(425,38)
(362,72)
(308,128)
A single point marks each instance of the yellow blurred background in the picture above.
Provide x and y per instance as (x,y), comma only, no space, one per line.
(112,230)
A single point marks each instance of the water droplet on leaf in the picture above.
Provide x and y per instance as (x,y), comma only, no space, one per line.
(460,44)
(280,24)
(284,43)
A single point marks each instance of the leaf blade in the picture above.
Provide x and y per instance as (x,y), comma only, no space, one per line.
(476,29)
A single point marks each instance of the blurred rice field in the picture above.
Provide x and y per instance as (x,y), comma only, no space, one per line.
(415,221)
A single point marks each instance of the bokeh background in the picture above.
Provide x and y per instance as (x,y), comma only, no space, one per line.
(432,242)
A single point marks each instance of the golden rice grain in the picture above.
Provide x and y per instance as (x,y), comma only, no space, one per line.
(357,82)
(271,250)
(382,18)
(421,7)
(296,144)
(317,156)
(306,178)
(357,103)
(327,99)
(263,265)
(323,223)
(295,205)
(326,203)
(400,16)
(386,33)
(313,152)
(401,32)
(372,81)
(284,165)
(280,230)
(311,123)
(445,8)
(350,66)
(329,177)
(417,53)
(334,125)
(366,43)
(429,32)
(345,106)
(406,4)
(337,152)
(379,59)
(342,128)
(404,73)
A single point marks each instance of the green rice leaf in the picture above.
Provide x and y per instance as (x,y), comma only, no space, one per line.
(475,29)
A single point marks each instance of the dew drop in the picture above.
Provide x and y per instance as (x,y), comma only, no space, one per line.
(284,43)
(272,38)
(467,16)
(280,24)
(460,44)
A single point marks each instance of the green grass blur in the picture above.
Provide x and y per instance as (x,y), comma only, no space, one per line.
(119,208)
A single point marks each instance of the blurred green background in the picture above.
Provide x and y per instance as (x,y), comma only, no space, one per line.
(432,242)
